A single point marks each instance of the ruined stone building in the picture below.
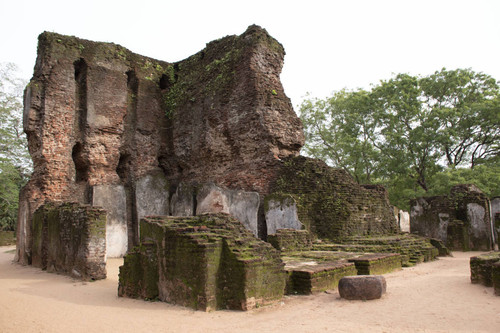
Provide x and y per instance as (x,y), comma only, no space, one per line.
(212,133)
(463,220)
(185,169)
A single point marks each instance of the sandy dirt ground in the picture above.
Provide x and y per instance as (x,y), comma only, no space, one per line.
(431,297)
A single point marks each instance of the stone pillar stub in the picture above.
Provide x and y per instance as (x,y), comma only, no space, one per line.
(404,221)
(113,199)
(151,195)
(281,213)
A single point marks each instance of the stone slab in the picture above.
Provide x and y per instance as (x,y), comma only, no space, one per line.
(281,213)
(151,195)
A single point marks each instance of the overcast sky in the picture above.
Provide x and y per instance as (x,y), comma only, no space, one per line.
(329,45)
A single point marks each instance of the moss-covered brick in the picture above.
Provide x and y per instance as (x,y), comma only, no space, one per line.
(481,268)
(458,236)
(330,204)
(413,249)
(206,262)
(70,238)
(287,240)
(377,263)
(439,245)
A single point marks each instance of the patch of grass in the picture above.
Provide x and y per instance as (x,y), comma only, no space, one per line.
(7,238)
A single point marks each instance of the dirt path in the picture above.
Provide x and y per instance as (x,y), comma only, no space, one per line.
(432,297)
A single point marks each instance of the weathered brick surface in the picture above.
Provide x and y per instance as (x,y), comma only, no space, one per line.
(98,114)
(330,204)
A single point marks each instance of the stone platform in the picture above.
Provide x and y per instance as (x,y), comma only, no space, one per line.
(205,262)
(316,271)
(413,249)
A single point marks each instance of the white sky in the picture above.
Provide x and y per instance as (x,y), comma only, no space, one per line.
(329,44)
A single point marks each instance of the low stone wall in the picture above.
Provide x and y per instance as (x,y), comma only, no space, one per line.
(205,262)
(70,238)
(495,276)
(306,278)
(377,263)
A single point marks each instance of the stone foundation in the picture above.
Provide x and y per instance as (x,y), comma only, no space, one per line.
(206,262)
(286,240)
(307,277)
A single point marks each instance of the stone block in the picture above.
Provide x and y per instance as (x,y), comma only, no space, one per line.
(242,205)
(281,213)
(362,287)
(404,221)
(479,226)
(151,195)
(182,201)
(113,199)
(481,268)
(439,245)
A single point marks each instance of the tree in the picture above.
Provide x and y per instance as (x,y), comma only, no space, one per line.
(466,106)
(15,165)
(407,130)
(339,130)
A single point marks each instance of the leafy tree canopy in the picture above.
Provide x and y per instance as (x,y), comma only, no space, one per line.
(15,164)
(410,132)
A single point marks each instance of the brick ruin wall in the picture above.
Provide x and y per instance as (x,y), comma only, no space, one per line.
(69,239)
(139,136)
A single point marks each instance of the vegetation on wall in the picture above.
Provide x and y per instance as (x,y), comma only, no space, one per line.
(416,135)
